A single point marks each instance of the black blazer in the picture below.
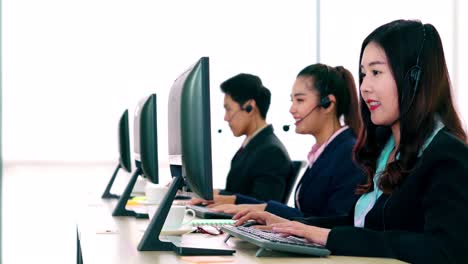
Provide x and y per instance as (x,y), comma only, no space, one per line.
(260,169)
(425,220)
(327,188)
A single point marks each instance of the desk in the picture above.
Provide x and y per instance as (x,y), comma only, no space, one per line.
(121,246)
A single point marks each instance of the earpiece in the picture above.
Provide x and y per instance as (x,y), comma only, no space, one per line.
(325,102)
(324,91)
(247,109)
(415,72)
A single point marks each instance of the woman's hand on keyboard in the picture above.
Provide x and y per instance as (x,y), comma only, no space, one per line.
(217,200)
(234,209)
(200,201)
(223,199)
(261,217)
(312,234)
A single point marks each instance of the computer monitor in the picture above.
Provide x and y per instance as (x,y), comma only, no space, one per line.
(124,154)
(146,152)
(189,145)
(190,128)
(183,100)
(145,138)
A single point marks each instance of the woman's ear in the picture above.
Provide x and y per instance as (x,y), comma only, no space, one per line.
(332,104)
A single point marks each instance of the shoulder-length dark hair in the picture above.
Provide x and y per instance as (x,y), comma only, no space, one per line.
(407,43)
(339,82)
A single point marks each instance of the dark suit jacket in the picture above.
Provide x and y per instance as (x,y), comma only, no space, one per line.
(261,169)
(327,188)
(425,220)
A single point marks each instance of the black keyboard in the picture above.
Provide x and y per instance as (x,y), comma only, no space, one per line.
(205,213)
(272,241)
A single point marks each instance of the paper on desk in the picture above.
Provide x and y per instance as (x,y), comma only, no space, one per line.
(107,231)
(105,226)
(206,259)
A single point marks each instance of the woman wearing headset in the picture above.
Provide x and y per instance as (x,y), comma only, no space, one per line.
(414,206)
(321,95)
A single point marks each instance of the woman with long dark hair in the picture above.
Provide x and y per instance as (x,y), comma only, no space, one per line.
(414,206)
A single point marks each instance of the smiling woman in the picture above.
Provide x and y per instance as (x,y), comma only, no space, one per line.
(414,206)
(321,95)
(378,88)
(396,100)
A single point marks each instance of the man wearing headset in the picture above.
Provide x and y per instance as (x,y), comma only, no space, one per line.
(261,167)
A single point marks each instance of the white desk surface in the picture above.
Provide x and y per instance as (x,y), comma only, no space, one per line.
(120,245)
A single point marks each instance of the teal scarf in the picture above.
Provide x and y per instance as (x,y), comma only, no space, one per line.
(368,200)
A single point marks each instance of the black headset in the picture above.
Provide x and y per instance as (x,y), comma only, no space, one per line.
(324,91)
(248,108)
(415,72)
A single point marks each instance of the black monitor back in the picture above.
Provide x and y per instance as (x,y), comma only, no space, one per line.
(189,128)
(189,95)
(124,143)
(196,130)
(146,138)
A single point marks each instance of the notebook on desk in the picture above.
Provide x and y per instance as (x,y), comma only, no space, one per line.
(206,213)
(212,222)
(268,241)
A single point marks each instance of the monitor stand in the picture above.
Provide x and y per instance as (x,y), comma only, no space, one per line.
(107,194)
(119,209)
(151,242)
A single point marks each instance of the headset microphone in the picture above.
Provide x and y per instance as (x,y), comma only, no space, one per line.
(286,127)
(325,102)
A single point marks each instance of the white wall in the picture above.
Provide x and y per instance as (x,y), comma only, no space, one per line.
(461,78)
(345,24)
(344,28)
(70,68)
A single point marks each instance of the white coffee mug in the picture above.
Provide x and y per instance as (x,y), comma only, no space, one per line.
(139,186)
(177,217)
(155,193)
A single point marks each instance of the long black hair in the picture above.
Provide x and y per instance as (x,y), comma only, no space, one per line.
(406,44)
